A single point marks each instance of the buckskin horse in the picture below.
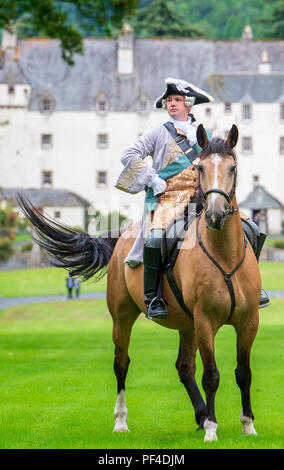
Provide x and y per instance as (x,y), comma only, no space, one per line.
(218,276)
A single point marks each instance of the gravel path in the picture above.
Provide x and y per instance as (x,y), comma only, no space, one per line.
(14,301)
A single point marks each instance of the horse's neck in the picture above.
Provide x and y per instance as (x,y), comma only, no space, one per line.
(226,245)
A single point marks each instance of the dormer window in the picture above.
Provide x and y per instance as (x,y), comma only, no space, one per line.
(282,111)
(46,103)
(143,104)
(101,104)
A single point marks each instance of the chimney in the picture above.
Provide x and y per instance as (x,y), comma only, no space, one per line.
(125,52)
(9,38)
(264,67)
(247,32)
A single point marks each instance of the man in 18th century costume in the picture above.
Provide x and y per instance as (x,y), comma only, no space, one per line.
(170,183)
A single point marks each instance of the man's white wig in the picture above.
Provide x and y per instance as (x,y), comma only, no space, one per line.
(193,95)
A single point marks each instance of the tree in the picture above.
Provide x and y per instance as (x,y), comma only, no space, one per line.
(160,18)
(274,22)
(49,17)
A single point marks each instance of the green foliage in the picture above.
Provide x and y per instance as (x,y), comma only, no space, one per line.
(6,248)
(27,247)
(279,244)
(161,18)
(273,21)
(49,18)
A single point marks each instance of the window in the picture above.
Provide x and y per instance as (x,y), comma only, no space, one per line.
(247,144)
(102,140)
(227,107)
(101,179)
(11,90)
(46,141)
(46,103)
(47,179)
(101,104)
(247,112)
(282,112)
(57,214)
(282,145)
(143,104)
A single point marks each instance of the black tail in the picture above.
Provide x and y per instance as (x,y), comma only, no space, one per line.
(80,253)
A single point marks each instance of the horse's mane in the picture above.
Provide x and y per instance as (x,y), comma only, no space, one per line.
(217,145)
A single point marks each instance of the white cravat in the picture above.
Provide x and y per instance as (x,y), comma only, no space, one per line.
(187,128)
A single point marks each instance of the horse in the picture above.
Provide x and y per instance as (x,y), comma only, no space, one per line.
(217,273)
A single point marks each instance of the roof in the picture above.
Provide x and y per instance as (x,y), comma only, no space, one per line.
(75,88)
(260,199)
(44,197)
(235,87)
(12,73)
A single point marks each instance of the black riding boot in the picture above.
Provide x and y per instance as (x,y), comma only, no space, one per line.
(264,299)
(156,305)
(256,239)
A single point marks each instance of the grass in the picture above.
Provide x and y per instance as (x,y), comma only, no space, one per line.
(58,390)
(41,281)
(51,281)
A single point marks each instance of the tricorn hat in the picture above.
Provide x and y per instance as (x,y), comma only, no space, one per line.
(175,86)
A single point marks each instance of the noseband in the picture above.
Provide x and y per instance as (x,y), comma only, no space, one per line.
(228,197)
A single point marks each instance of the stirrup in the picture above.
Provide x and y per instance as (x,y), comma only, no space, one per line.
(158,315)
(264,299)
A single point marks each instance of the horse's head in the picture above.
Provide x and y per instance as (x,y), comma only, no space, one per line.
(217,176)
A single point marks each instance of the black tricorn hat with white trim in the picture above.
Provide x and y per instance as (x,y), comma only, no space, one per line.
(176,86)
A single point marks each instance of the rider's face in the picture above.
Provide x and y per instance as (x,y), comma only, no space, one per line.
(176,107)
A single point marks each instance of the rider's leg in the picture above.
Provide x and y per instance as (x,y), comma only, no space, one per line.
(156,305)
(256,239)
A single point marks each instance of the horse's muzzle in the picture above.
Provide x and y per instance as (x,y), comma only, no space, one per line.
(215,219)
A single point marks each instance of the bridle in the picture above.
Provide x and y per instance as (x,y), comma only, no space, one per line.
(230,210)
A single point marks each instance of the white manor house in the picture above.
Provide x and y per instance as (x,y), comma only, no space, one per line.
(63,128)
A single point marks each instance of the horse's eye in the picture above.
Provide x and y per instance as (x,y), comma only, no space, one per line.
(201,168)
(232,169)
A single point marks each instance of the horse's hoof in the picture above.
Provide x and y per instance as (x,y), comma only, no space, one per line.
(121,427)
(210,431)
(248,427)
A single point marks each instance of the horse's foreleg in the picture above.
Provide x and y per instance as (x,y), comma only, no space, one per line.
(210,379)
(245,337)
(186,367)
(121,337)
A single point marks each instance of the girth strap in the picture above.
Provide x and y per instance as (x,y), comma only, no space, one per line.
(176,290)
(227,276)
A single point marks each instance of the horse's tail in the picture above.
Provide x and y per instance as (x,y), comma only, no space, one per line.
(83,255)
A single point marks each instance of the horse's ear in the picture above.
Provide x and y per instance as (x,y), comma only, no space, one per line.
(233,135)
(202,138)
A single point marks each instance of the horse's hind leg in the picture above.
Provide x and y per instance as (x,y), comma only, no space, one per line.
(245,337)
(122,326)
(186,367)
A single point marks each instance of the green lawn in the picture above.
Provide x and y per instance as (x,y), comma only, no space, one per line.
(41,281)
(44,281)
(58,390)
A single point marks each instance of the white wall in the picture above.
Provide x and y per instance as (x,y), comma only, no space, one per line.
(73,216)
(75,157)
